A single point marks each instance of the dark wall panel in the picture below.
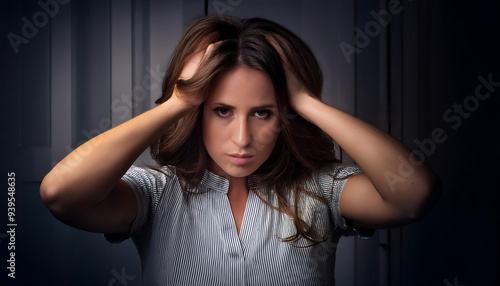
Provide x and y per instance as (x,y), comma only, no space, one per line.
(90,69)
(140,56)
(459,243)
(35,77)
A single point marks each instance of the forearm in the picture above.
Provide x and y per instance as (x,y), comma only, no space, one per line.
(87,175)
(383,159)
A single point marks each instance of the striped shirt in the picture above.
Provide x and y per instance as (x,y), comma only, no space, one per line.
(191,238)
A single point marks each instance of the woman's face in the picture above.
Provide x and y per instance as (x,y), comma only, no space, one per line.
(240,122)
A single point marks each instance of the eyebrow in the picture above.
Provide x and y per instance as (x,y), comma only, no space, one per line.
(266,106)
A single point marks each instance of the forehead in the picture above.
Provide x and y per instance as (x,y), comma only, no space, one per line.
(243,86)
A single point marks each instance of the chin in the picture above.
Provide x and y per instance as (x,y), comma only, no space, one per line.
(236,172)
(240,173)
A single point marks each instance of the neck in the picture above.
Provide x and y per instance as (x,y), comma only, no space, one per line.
(237,186)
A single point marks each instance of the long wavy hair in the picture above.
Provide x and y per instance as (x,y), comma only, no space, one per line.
(301,148)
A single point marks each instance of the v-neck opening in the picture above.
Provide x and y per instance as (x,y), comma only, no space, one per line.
(242,219)
(247,224)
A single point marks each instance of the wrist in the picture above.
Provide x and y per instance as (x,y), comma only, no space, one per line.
(179,102)
(303,103)
(175,107)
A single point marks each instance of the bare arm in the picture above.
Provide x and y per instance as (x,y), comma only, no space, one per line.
(78,187)
(85,189)
(377,198)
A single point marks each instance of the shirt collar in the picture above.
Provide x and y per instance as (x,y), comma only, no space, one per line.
(221,184)
(215,182)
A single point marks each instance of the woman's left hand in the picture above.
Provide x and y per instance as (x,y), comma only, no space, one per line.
(297,91)
(381,197)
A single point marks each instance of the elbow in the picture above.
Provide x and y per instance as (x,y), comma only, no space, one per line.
(428,197)
(51,195)
(48,193)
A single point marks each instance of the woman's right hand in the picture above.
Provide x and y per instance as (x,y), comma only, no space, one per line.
(193,62)
(107,203)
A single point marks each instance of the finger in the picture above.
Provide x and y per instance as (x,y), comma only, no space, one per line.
(196,59)
(210,48)
(191,65)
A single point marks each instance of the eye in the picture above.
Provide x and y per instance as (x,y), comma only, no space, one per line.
(222,111)
(262,114)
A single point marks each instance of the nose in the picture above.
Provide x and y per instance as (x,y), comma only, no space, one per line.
(242,136)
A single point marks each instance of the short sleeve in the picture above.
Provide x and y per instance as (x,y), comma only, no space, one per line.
(332,181)
(147,185)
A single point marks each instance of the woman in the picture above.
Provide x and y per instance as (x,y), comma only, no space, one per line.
(249,190)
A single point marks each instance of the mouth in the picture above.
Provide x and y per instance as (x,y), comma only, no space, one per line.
(240,159)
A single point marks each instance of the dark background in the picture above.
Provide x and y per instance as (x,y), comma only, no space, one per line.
(87,66)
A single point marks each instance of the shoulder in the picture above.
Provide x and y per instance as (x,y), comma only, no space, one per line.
(332,178)
(150,181)
(148,175)
(338,171)
(149,186)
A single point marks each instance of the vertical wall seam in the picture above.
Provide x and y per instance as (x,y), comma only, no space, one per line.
(71,69)
(110,75)
(388,79)
(50,82)
(132,57)
(389,130)
(355,111)
(355,63)
(402,96)
(402,77)
(72,76)
(418,70)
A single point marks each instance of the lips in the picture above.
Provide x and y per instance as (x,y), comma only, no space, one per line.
(240,159)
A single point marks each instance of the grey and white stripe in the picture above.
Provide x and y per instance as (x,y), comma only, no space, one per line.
(191,239)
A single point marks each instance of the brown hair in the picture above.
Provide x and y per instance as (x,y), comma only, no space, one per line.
(301,149)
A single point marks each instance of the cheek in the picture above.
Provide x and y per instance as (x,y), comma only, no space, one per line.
(266,137)
(207,132)
(212,133)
